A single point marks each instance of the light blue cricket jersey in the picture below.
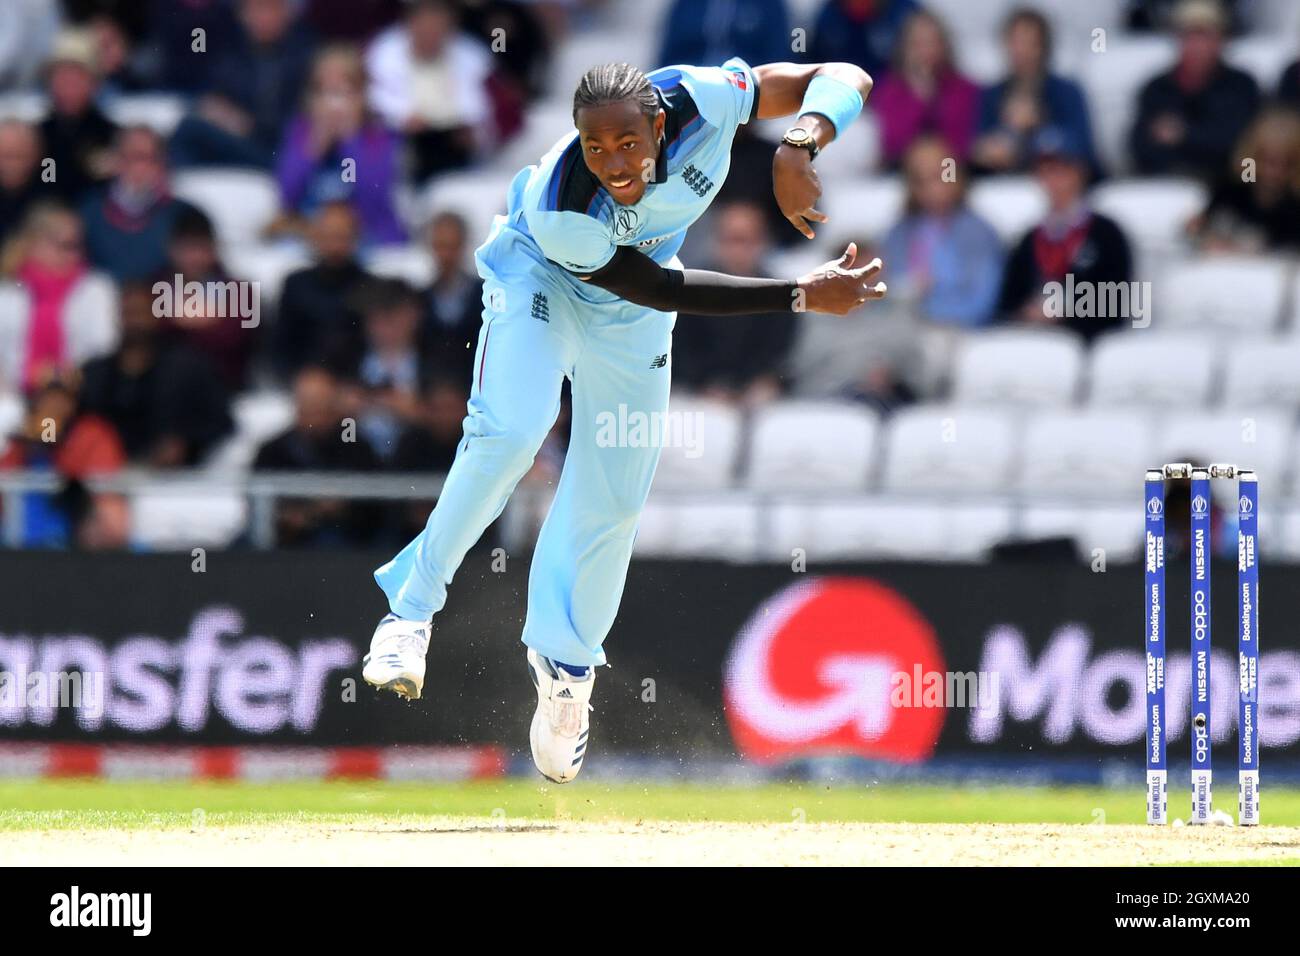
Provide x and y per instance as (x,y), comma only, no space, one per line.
(561,223)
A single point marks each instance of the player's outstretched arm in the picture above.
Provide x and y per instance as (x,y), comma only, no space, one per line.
(836,287)
(827,97)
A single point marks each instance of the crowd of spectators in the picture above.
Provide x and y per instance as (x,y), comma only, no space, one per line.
(344,103)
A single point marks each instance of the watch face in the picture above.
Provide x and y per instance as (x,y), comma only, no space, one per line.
(797,136)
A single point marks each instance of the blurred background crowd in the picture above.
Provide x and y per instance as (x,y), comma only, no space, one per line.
(346,156)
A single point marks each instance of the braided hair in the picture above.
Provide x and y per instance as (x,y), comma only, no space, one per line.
(613,83)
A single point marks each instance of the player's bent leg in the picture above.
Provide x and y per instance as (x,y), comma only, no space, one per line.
(581,560)
(519,368)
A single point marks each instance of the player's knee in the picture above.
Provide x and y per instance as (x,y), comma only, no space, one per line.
(509,447)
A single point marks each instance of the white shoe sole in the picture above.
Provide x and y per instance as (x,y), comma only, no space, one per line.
(403,686)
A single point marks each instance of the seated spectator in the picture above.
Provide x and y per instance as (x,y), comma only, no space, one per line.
(757,31)
(318,442)
(430,442)
(116,58)
(182,68)
(20,174)
(1028,99)
(317,318)
(864,32)
(27,32)
(924,93)
(1260,213)
(735,358)
(71,312)
(256,89)
(1189,117)
(220,334)
(1074,243)
(351,21)
(429,80)
(454,303)
(941,258)
(55,437)
(129,219)
(383,379)
(872,355)
(75,134)
(524,70)
(335,151)
(166,400)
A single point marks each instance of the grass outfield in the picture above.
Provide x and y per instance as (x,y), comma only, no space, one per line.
(91,804)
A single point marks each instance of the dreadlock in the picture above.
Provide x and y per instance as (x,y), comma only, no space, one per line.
(613,83)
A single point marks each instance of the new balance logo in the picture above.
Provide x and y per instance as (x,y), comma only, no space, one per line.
(659,361)
(541,308)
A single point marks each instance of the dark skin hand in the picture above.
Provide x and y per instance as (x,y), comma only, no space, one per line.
(781,91)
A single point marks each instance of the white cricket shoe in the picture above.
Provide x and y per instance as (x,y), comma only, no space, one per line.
(396,658)
(558,734)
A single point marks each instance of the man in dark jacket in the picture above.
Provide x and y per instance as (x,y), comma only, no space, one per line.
(1190,117)
(1072,250)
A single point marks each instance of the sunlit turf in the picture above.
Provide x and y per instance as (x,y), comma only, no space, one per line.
(80,804)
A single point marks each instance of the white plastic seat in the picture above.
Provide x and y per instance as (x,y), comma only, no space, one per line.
(1115,529)
(949,448)
(1112,81)
(1237,294)
(812,446)
(1143,368)
(476,195)
(1089,452)
(1251,438)
(268,265)
(1019,366)
(1152,212)
(259,417)
(886,528)
(161,112)
(1263,372)
(1012,205)
(864,206)
(165,519)
(240,202)
(11,417)
(698,526)
(409,262)
(701,448)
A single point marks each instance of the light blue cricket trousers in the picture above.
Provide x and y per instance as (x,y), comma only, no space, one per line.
(614,354)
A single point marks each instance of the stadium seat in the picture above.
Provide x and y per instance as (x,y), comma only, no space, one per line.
(544,122)
(1233,294)
(30,107)
(949,448)
(812,446)
(1152,212)
(1112,81)
(240,202)
(1115,529)
(722,526)
(1252,438)
(1263,56)
(703,446)
(1070,452)
(410,262)
(476,195)
(581,51)
(172,519)
(1144,368)
(1012,205)
(259,417)
(267,264)
(886,528)
(1018,366)
(863,207)
(1263,371)
(161,112)
(11,416)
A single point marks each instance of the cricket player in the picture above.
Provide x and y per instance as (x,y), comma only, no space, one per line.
(581,280)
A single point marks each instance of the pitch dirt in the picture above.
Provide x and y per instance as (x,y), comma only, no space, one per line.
(427,840)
